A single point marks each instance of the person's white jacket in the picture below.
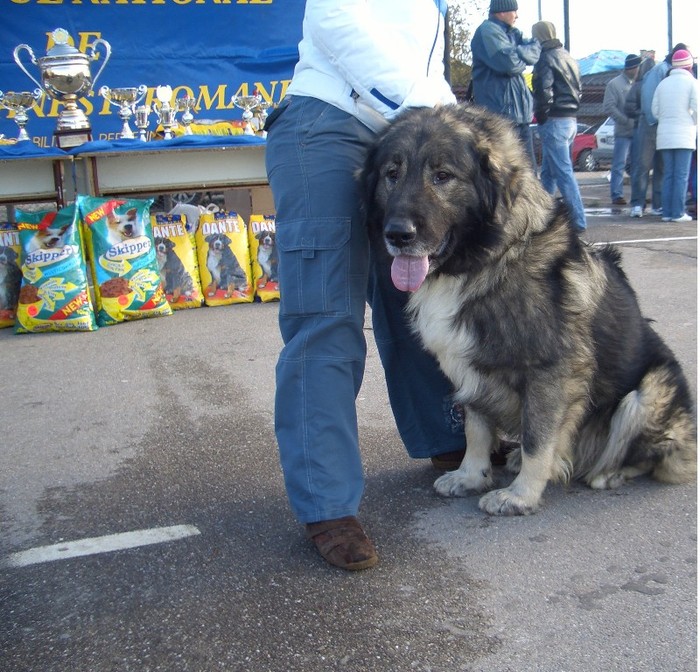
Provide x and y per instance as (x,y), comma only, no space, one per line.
(373,58)
(675,106)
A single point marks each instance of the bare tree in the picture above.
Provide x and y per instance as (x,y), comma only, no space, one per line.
(465,17)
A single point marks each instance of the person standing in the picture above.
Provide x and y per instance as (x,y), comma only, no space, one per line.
(646,156)
(675,106)
(614,98)
(556,85)
(500,55)
(361,63)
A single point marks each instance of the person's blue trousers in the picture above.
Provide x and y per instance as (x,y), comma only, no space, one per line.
(313,153)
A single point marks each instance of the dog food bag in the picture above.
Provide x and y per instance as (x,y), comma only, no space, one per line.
(177,261)
(10,274)
(54,293)
(224,259)
(263,257)
(123,258)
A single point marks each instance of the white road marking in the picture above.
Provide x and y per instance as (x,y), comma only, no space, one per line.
(94,545)
(645,240)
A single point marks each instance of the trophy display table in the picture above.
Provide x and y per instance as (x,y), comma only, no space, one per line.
(183,163)
(30,174)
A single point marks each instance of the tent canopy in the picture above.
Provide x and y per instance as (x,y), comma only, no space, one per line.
(602,61)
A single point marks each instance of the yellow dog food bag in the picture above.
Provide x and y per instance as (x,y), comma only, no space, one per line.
(54,295)
(10,275)
(263,257)
(224,259)
(123,259)
(177,261)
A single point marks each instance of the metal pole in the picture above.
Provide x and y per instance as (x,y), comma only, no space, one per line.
(670,26)
(567,41)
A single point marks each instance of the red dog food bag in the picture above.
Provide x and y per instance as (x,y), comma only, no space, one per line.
(10,275)
(54,294)
(123,259)
(263,257)
(177,261)
(224,259)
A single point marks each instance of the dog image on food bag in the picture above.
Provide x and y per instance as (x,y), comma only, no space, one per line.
(10,276)
(540,333)
(224,259)
(177,262)
(263,253)
(124,226)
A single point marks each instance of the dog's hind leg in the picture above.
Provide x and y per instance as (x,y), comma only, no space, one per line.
(474,474)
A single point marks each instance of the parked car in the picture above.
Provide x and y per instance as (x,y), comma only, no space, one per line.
(582,150)
(605,139)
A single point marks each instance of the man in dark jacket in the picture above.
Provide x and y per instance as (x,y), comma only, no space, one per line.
(500,56)
(556,84)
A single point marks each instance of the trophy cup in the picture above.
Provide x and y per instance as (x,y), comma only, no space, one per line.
(65,76)
(125,99)
(262,116)
(247,104)
(19,103)
(142,114)
(185,105)
(164,112)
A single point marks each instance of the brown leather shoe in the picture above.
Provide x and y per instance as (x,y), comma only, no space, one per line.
(342,542)
(619,201)
(451,461)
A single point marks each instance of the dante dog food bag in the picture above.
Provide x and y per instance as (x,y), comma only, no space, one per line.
(224,259)
(10,275)
(123,259)
(263,257)
(177,261)
(54,293)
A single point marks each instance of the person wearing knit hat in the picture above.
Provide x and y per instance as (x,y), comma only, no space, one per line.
(675,106)
(556,87)
(614,100)
(500,56)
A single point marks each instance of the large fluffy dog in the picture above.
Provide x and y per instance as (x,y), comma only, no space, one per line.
(541,335)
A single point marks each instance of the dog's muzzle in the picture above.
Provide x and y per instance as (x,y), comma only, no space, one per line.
(399,232)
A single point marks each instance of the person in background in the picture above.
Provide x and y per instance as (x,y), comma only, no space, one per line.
(500,55)
(556,85)
(633,109)
(675,106)
(614,98)
(646,157)
(361,63)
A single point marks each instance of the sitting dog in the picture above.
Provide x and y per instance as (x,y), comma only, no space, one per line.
(10,279)
(226,272)
(177,281)
(267,257)
(541,334)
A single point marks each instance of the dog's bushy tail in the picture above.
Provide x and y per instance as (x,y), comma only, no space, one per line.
(652,430)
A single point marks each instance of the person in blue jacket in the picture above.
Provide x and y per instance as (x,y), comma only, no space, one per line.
(500,56)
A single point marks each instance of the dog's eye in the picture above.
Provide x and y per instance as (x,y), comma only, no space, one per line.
(392,174)
(441,176)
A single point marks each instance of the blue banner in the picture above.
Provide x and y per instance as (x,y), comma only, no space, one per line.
(208,49)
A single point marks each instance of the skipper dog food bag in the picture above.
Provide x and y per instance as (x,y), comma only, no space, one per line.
(263,257)
(54,293)
(10,275)
(177,261)
(224,259)
(123,259)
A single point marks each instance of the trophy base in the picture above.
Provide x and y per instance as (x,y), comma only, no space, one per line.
(72,137)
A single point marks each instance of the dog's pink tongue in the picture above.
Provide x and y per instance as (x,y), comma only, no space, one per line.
(408,273)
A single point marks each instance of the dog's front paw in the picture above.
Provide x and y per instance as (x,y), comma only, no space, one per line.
(460,484)
(506,502)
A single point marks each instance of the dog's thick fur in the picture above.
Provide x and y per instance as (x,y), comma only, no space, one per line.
(541,334)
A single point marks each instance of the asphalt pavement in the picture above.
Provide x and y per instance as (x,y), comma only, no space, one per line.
(144,524)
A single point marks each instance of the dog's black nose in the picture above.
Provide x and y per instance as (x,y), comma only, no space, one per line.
(399,231)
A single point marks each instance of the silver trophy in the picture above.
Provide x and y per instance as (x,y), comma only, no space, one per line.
(141,120)
(247,104)
(165,113)
(19,103)
(126,100)
(65,76)
(263,107)
(185,105)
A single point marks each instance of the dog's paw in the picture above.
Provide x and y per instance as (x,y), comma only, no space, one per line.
(607,481)
(459,484)
(505,502)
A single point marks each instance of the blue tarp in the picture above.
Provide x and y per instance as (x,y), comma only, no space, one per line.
(602,61)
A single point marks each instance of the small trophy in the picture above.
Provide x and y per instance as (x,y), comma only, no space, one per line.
(65,76)
(164,112)
(262,116)
(19,103)
(125,99)
(185,105)
(247,104)
(142,114)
